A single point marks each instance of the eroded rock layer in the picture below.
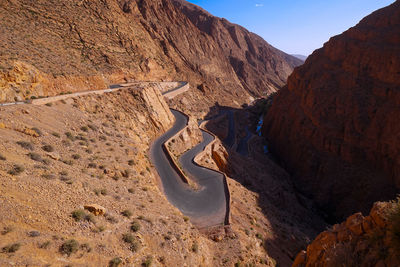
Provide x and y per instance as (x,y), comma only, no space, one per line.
(359,241)
(335,125)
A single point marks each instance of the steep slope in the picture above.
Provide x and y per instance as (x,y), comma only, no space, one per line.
(335,125)
(48,47)
(359,241)
(257,64)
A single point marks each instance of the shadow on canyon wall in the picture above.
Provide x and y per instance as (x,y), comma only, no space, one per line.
(292,217)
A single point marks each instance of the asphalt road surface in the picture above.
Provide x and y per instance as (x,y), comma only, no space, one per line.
(205,206)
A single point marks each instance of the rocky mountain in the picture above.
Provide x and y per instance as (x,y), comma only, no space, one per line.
(335,125)
(301,57)
(48,47)
(257,64)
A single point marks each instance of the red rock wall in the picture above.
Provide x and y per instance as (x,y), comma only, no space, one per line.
(336,125)
(359,241)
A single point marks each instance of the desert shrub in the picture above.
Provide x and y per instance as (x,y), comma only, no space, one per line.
(39,132)
(131,190)
(83,143)
(126,173)
(115,262)
(195,247)
(66,142)
(67,161)
(45,245)
(92,127)
(81,137)
(90,218)
(111,218)
(135,226)
(34,234)
(48,148)
(2,157)
(135,246)
(116,177)
(185,218)
(49,176)
(80,215)
(86,247)
(16,170)
(84,128)
(127,213)
(11,248)
(7,229)
(131,162)
(148,261)
(99,192)
(70,136)
(69,247)
(66,179)
(35,157)
(55,134)
(128,238)
(92,165)
(49,104)
(100,229)
(26,145)
(76,156)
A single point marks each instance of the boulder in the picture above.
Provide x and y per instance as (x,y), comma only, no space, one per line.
(95,209)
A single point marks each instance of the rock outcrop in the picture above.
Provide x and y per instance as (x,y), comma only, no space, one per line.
(359,241)
(260,67)
(335,125)
(95,209)
(79,45)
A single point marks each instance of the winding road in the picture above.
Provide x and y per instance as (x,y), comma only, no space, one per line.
(206,206)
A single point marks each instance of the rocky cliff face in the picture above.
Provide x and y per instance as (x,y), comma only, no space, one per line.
(90,44)
(260,67)
(359,241)
(335,125)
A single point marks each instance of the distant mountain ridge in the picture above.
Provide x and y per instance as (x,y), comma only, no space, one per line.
(90,44)
(301,57)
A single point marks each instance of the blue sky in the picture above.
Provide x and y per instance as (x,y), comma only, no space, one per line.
(294,26)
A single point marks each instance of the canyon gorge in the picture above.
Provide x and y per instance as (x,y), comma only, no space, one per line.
(152,133)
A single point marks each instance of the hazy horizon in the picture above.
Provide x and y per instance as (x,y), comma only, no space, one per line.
(295,27)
